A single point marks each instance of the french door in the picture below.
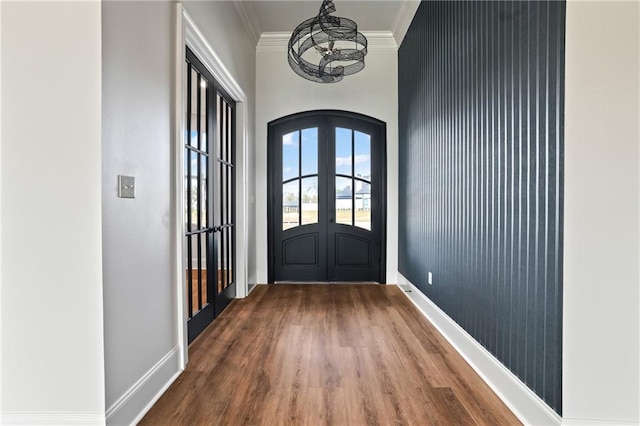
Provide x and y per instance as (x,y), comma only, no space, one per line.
(327,198)
(209,158)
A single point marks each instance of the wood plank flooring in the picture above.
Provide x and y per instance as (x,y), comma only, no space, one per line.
(326,354)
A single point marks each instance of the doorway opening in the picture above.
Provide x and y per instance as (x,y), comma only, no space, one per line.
(327,198)
(209,192)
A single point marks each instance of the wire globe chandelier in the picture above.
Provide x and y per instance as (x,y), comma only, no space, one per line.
(326,48)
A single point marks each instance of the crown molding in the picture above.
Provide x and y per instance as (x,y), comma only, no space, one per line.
(377,39)
(380,40)
(279,41)
(273,41)
(404,20)
(249,19)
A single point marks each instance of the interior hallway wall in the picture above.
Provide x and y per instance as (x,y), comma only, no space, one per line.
(601,358)
(138,289)
(141,352)
(51,314)
(481,148)
(280,92)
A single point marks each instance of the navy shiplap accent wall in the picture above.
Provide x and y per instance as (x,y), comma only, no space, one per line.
(481,155)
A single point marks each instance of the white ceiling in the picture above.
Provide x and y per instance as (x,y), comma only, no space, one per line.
(370,15)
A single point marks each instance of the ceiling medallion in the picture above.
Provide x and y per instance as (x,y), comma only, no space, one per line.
(325,48)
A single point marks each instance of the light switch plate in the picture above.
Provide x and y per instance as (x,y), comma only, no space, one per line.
(126,186)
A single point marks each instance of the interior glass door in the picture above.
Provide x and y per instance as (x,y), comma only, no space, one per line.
(197,189)
(209,189)
(223,200)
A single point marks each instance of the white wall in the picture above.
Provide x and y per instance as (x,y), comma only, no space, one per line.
(52,317)
(1,364)
(138,290)
(280,92)
(601,368)
(141,351)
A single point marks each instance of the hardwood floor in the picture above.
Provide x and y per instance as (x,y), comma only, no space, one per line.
(326,354)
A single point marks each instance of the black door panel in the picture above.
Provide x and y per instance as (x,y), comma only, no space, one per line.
(209,193)
(327,197)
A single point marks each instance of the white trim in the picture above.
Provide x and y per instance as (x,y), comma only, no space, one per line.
(405,18)
(524,403)
(380,40)
(139,398)
(1,365)
(273,41)
(279,41)
(252,284)
(51,418)
(199,44)
(596,422)
(178,243)
(249,19)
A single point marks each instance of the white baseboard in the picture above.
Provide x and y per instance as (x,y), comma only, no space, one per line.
(524,403)
(51,418)
(596,422)
(251,284)
(134,404)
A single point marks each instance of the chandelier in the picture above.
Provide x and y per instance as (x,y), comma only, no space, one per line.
(325,48)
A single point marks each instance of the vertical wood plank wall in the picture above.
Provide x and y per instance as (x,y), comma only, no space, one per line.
(481,111)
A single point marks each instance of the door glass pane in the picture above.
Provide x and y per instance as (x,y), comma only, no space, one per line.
(193,119)
(187,213)
(217,185)
(218,273)
(363,205)
(229,257)
(290,155)
(223,130)
(229,194)
(310,152)
(203,191)
(310,200)
(362,155)
(195,272)
(223,186)
(216,149)
(344,204)
(222,255)
(203,114)
(190,274)
(343,151)
(193,197)
(204,254)
(229,132)
(290,204)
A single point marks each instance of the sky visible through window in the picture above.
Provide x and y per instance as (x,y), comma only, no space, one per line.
(291,151)
(352,160)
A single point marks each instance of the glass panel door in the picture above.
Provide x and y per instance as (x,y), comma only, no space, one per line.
(224,239)
(197,211)
(209,187)
(326,183)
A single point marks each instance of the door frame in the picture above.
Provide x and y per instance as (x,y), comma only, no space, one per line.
(188,34)
(271,180)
